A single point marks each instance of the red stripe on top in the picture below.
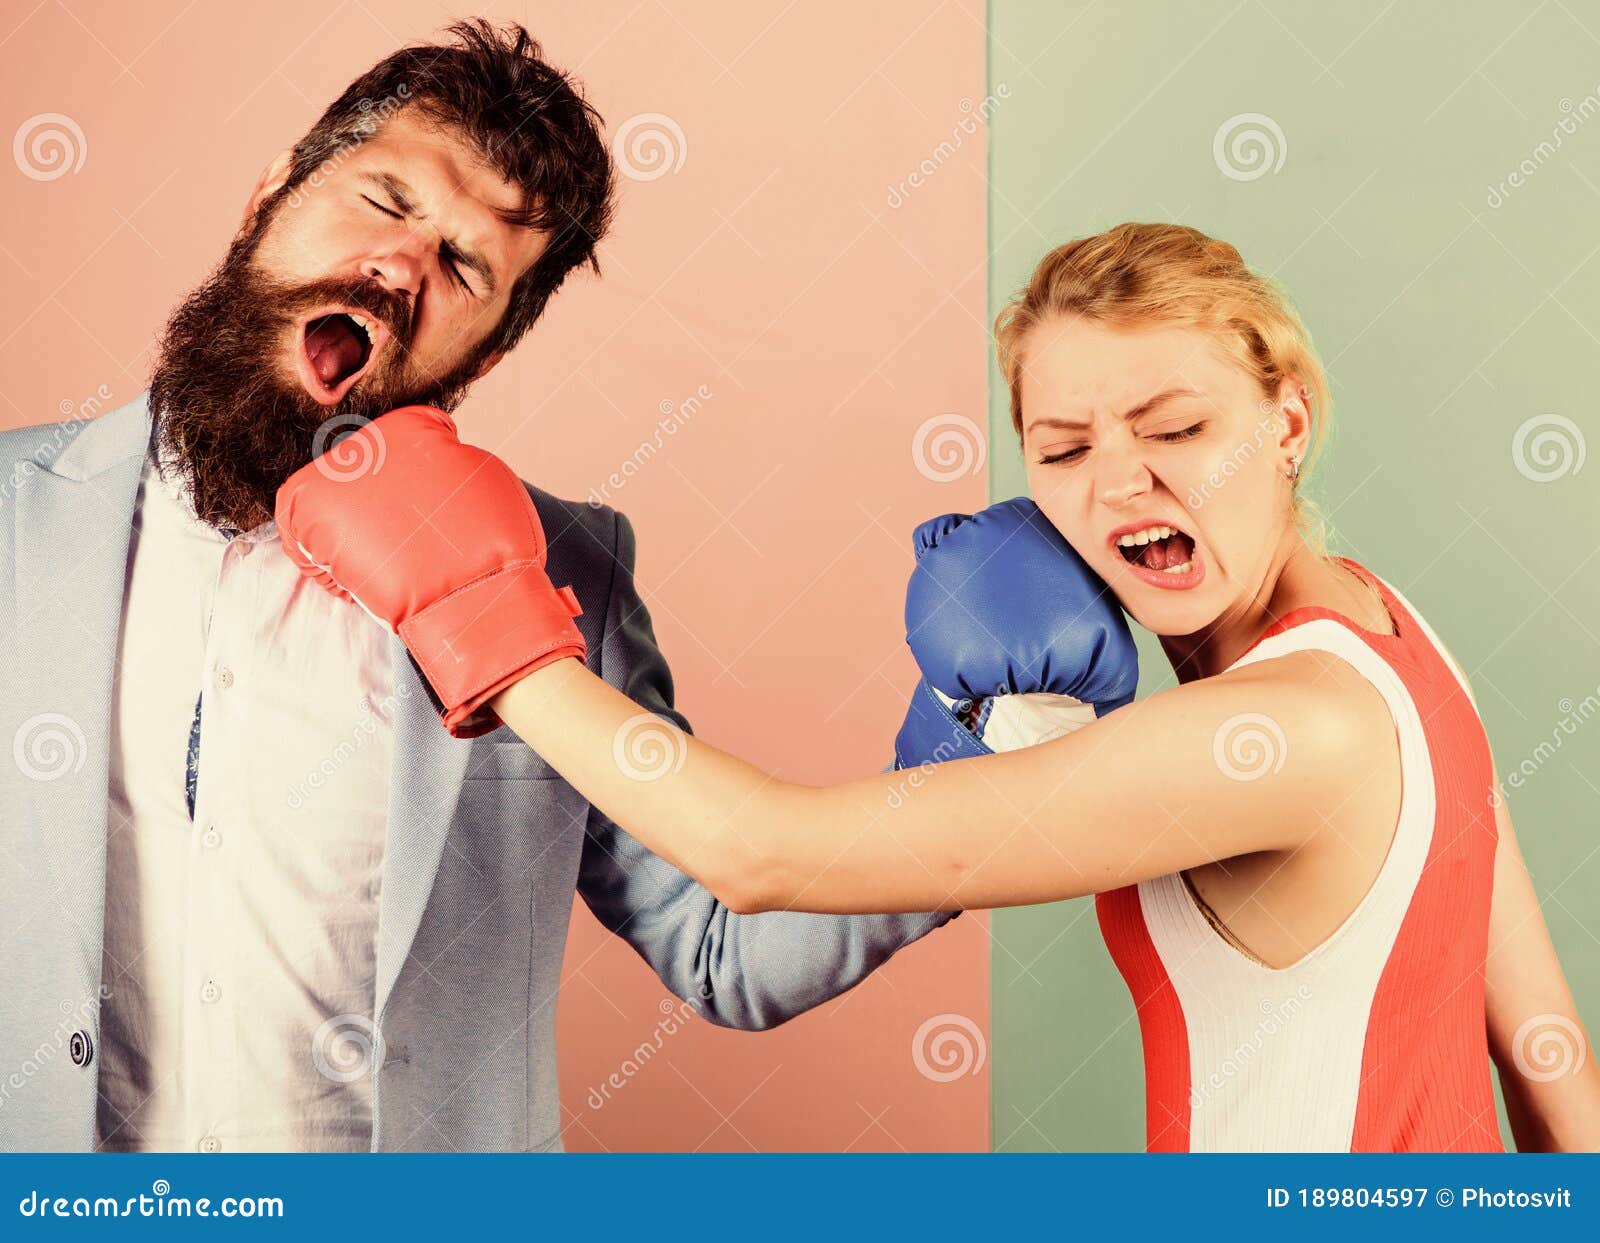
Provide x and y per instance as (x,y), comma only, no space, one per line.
(1425,1078)
(1161,1026)
(1425,1070)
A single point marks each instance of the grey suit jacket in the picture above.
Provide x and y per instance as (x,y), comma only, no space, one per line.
(485,841)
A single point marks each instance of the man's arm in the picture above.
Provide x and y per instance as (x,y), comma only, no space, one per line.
(747,971)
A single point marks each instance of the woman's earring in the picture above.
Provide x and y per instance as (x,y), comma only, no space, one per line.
(1294,468)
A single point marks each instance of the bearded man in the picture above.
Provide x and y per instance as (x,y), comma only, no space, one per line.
(256,896)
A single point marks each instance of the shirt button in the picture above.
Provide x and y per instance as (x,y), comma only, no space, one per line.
(80,1048)
(212,839)
(210,1144)
(209,992)
(224,678)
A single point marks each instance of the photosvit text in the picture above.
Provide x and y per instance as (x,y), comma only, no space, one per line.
(1417,1197)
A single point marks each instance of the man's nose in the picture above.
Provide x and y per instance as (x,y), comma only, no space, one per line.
(397,270)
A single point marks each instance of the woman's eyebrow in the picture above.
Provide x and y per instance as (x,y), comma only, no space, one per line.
(1144,407)
(400,194)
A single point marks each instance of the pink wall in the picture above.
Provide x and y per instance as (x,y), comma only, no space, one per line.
(829,335)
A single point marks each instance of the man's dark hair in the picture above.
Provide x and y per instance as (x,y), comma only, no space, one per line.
(527,119)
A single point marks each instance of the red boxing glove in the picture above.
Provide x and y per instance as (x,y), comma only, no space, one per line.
(441,543)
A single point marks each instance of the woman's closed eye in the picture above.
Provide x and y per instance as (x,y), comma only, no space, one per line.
(1065,455)
(1073,454)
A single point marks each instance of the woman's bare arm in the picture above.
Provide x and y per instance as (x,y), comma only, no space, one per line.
(1548,1070)
(1208,770)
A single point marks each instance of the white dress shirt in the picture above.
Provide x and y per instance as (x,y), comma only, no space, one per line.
(240,947)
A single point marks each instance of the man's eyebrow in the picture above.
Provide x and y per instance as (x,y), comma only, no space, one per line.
(1144,407)
(401,195)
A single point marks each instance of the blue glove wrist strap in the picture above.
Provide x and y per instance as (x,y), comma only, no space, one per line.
(932,734)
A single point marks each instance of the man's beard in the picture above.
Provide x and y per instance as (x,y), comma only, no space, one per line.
(231,426)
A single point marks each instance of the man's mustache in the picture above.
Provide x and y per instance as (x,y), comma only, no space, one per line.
(394,309)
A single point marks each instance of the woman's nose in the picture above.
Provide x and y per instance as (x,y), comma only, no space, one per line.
(1120,477)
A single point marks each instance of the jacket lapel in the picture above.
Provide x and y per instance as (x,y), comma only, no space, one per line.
(74,517)
(424,786)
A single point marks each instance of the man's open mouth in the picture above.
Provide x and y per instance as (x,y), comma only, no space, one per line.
(337,347)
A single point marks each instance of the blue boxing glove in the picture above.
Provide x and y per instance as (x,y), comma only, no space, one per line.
(1017,639)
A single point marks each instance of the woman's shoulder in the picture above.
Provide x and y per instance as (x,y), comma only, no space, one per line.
(1309,703)
(1305,671)
(1318,694)
(1248,750)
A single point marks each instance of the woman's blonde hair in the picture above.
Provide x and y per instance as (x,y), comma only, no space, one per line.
(1171,275)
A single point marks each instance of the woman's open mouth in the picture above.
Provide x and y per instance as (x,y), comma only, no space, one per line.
(1161,555)
(337,347)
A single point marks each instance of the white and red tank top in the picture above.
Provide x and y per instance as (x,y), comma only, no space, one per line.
(1375,1040)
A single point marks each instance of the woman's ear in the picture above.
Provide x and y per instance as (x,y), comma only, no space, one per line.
(273,177)
(1294,405)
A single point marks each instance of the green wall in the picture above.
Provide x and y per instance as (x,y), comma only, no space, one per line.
(1447,323)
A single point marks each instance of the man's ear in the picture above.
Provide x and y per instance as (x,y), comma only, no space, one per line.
(273,177)
(487,365)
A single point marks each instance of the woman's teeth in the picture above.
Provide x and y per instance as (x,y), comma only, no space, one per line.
(1145,536)
(1158,548)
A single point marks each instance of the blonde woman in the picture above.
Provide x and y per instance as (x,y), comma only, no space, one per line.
(1304,873)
